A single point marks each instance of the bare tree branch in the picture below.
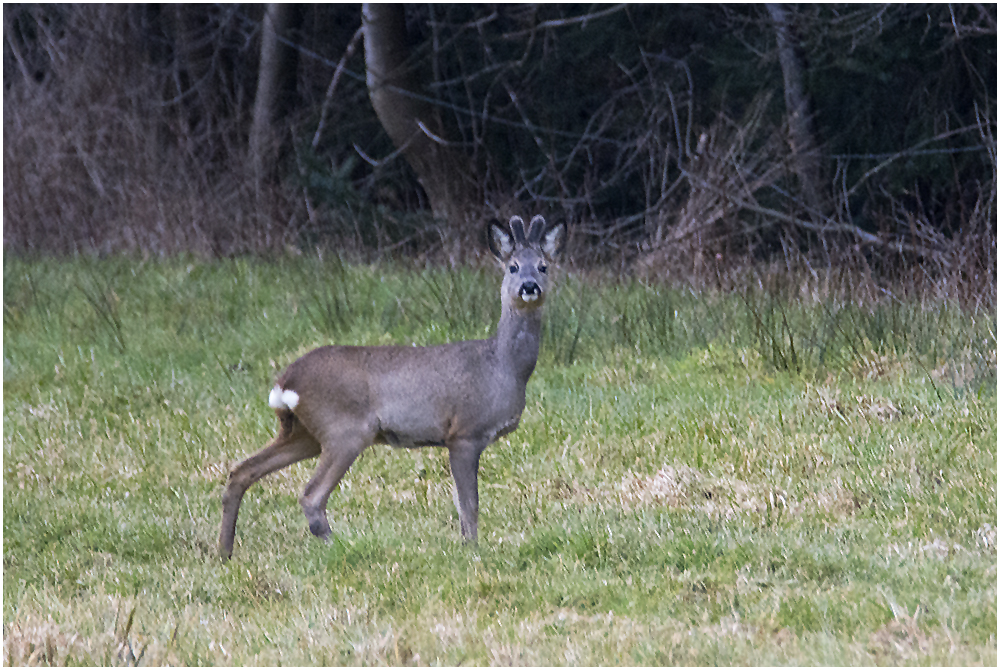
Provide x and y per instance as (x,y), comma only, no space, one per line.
(325,108)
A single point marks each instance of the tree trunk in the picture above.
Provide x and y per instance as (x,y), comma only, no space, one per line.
(275,87)
(444,172)
(805,156)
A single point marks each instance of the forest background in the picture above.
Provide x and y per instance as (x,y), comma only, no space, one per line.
(678,141)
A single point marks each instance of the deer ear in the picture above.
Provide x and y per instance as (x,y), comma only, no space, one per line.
(554,240)
(535,229)
(501,243)
(517,229)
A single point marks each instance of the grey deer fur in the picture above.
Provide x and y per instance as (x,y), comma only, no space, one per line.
(335,401)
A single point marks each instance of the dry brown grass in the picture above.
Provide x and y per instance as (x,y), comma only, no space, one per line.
(726,497)
(95,162)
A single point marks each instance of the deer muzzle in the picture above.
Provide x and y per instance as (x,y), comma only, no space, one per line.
(530,292)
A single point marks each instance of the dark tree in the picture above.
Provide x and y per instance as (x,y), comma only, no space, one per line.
(413,124)
(275,91)
(801,139)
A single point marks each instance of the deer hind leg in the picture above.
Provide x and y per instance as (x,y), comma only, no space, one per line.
(293,444)
(339,452)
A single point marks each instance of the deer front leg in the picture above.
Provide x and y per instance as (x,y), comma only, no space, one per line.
(464,459)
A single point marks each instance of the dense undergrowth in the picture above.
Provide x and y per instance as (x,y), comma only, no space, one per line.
(738,477)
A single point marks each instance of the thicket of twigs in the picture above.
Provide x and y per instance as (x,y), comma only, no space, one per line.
(660,135)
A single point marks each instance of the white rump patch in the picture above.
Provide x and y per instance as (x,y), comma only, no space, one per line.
(274,398)
(290,398)
(283,398)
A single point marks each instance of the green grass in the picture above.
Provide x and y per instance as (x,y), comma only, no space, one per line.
(698,478)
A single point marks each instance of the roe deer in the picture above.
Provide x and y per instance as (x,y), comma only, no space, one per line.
(335,401)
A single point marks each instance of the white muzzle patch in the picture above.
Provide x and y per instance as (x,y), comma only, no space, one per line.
(280,398)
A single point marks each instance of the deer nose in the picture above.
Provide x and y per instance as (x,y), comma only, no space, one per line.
(529,291)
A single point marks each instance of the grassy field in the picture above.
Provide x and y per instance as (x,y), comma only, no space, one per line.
(738,478)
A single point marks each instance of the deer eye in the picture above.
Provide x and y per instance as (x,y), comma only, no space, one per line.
(513,268)
(543,268)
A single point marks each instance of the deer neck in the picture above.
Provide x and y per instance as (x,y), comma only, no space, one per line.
(517,340)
